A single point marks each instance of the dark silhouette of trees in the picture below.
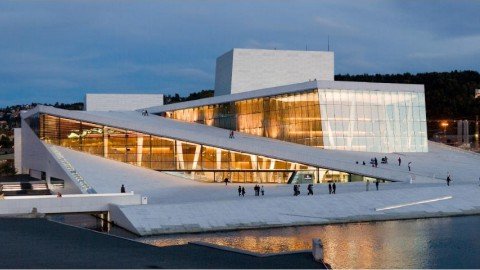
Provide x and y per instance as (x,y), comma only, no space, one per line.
(169,99)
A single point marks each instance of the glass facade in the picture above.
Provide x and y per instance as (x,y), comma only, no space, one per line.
(196,161)
(291,117)
(355,120)
(377,121)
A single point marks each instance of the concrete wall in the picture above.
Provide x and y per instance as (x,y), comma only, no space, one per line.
(76,203)
(17,134)
(121,102)
(223,74)
(35,156)
(243,70)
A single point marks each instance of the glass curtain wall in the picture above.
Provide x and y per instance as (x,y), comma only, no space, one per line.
(376,121)
(355,120)
(197,161)
(291,117)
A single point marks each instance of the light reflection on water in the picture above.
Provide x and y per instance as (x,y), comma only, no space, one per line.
(425,243)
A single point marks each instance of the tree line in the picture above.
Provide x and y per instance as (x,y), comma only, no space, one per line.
(448,95)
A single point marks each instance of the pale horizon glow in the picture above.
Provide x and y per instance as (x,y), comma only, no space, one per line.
(59,50)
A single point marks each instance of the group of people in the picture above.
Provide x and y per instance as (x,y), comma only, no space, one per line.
(332,188)
(145,113)
(257,189)
(374,162)
(408,165)
(377,183)
(241,191)
(296,189)
(231,135)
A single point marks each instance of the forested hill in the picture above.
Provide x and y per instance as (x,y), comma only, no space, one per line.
(448,94)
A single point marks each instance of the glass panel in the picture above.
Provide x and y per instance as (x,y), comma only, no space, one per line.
(162,153)
(92,139)
(70,133)
(116,144)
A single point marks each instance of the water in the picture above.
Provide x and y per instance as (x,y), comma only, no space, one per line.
(423,243)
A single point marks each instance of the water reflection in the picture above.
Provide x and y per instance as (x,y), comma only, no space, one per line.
(427,243)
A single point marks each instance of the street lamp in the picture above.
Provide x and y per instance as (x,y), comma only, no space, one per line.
(444,124)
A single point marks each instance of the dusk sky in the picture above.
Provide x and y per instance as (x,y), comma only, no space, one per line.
(59,50)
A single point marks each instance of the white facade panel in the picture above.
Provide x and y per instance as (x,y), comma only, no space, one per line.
(121,102)
(242,70)
(37,159)
(17,133)
(223,74)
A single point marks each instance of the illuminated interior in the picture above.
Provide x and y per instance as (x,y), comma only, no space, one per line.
(354,120)
(195,161)
(291,117)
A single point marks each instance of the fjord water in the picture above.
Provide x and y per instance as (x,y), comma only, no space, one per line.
(423,243)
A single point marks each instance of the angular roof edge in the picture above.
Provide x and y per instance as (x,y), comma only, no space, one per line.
(217,137)
(291,88)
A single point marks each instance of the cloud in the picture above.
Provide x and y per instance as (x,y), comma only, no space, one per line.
(462,46)
(333,25)
(58,50)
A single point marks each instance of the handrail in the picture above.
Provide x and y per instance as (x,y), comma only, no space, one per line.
(84,186)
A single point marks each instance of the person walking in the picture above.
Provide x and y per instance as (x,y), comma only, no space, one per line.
(310,189)
(226,181)
(448,180)
(376,162)
(122,189)
(409,163)
(399,161)
(367,185)
(376,184)
(329,188)
(294,190)
(243,191)
(334,188)
(263,191)
(239,191)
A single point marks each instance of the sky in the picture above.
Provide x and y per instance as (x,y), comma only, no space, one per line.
(59,50)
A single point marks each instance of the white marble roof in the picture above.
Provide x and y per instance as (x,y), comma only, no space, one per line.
(292,88)
(439,161)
